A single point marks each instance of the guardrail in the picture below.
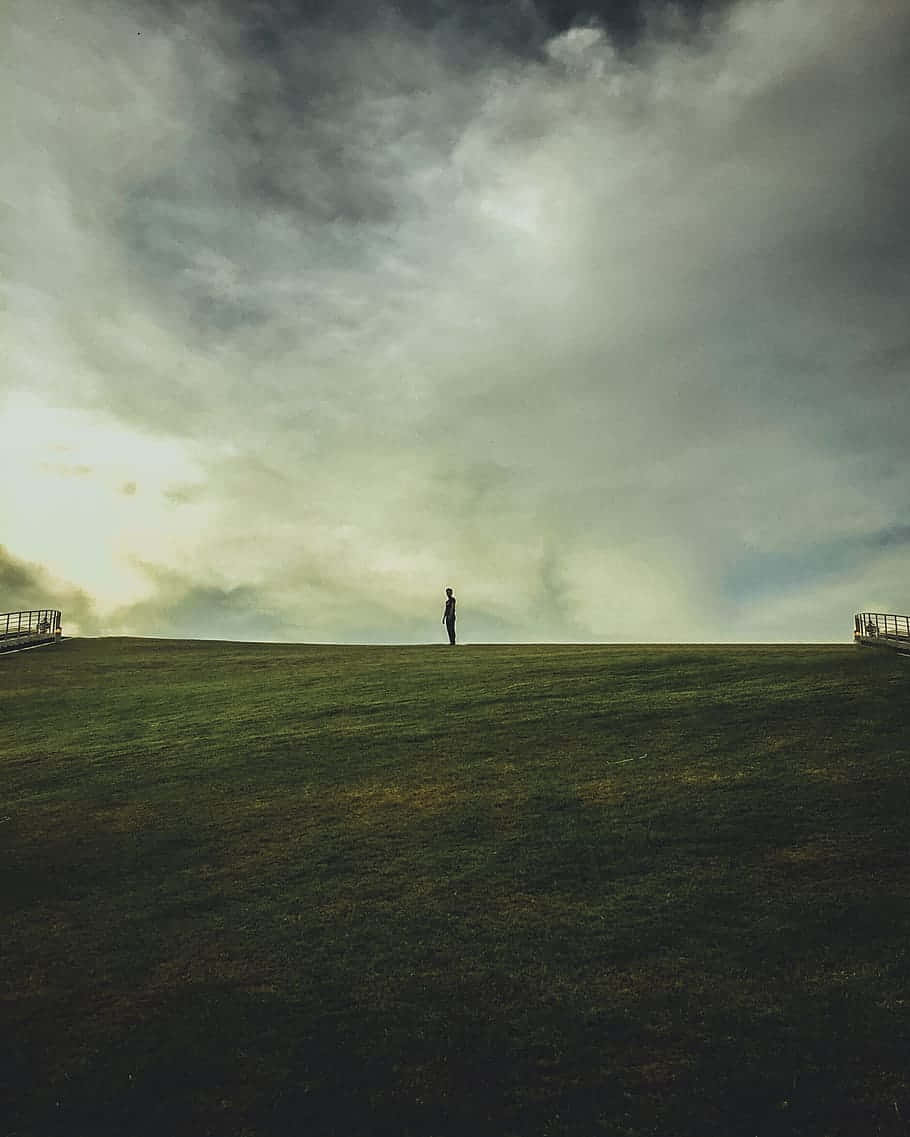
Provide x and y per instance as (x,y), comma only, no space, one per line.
(26,629)
(885,628)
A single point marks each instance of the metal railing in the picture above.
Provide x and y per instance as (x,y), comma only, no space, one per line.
(20,629)
(881,625)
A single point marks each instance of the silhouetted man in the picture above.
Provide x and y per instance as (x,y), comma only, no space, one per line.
(448,617)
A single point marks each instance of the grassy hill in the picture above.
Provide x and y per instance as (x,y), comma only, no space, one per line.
(280,889)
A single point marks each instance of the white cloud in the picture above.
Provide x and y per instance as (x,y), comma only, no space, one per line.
(360,315)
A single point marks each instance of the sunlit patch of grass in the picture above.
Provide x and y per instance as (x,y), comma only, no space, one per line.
(372,798)
(601,792)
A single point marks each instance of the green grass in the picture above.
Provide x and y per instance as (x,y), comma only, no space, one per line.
(280,889)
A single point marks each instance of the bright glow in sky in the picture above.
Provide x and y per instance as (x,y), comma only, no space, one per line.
(602,322)
(91,497)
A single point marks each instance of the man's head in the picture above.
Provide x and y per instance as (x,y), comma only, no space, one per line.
(448,592)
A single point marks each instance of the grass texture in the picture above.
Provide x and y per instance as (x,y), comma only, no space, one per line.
(491,891)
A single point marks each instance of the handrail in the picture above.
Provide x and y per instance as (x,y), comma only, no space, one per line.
(37,625)
(884,625)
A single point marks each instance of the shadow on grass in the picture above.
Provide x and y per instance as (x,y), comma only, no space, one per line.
(215,1060)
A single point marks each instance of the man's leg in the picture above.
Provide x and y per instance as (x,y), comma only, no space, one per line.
(450,628)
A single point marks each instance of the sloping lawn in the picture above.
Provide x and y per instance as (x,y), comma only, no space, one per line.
(490,891)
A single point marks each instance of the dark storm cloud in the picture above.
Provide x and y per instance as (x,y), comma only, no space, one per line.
(28,587)
(185,609)
(597,313)
(521,27)
(18,580)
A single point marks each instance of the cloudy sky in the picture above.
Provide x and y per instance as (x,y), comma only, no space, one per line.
(598,314)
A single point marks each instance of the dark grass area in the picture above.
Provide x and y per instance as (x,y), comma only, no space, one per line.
(280,889)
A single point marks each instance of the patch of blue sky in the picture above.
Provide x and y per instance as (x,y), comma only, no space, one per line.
(765,573)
